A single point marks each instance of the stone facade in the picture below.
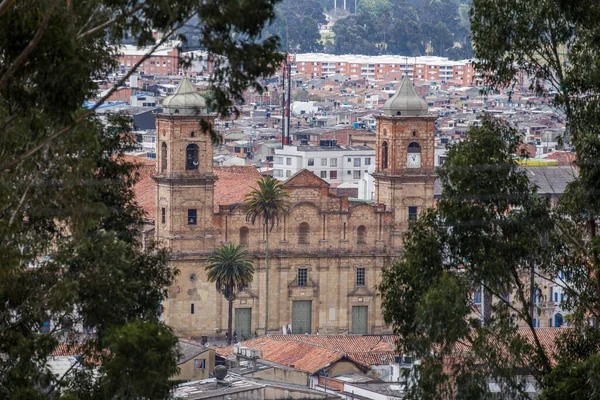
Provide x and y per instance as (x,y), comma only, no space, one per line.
(326,250)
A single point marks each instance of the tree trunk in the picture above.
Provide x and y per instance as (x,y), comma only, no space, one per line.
(267,277)
(230,319)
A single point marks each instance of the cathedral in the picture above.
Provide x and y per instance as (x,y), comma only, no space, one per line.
(327,253)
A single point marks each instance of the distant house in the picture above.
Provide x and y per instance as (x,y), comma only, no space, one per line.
(195,362)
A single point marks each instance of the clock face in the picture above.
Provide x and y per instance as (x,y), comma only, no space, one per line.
(414,160)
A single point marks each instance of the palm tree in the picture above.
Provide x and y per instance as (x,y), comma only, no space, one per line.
(269,201)
(230,269)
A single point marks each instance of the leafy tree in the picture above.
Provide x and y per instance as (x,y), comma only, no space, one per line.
(494,232)
(268,202)
(404,28)
(230,270)
(355,35)
(484,236)
(71,254)
(298,21)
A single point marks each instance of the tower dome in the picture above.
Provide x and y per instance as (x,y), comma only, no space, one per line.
(405,102)
(185,100)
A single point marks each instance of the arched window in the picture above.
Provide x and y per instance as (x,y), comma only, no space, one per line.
(244,235)
(361,235)
(163,157)
(558,320)
(191,157)
(303,233)
(384,155)
(414,147)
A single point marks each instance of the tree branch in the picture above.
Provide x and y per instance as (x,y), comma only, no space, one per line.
(5,5)
(20,60)
(17,160)
(108,23)
(529,320)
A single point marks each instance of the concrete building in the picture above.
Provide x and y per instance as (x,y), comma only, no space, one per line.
(387,67)
(164,61)
(330,162)
(326,254)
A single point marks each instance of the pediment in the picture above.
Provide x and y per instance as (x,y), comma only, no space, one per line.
(361,292)
(305,177)
(246,294)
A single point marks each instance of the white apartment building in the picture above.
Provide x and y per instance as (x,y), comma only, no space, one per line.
(333,163)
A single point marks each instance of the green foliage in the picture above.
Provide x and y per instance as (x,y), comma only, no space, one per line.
(267,202)
(405,28)
(138,362)
(297,21)
(230,269)
(485,233)
(70,231)
(554,44)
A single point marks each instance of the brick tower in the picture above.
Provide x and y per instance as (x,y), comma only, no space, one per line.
(404,173)
(184,172)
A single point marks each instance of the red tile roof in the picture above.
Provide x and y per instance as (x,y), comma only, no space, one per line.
(312,352)
(145,195)
(233,183)
(373,358)
(302,356)
(343,343)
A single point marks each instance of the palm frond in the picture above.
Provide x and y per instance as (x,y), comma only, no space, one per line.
(268,202)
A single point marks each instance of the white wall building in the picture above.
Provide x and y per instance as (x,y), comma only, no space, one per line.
(304,107)
(334,164)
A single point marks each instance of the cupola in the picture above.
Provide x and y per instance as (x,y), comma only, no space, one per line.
(405,102)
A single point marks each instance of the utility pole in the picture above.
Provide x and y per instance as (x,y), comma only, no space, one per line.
(289,100)
(283,93)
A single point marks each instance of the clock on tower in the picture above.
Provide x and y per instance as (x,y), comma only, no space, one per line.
(413,160)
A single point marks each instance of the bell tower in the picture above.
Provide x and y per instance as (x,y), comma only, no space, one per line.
(404,171)
(184,171)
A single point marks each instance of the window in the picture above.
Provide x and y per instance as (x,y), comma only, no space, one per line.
(361,235)
(288,173)
(349,172)
(477,296)
(302,276)
(368,161)
(558,320)
(324,174)
(556,297)
(278,173)
(163,157)
(46,327)
(163,215)
(360,277)
(191,157)
(244,235)
(200,364)
(349,159)
(192,217)
(192,134)
(356,175)
(192,308)
(412,213)
(384,155)
(357,162)
(333,162)
(303,233)
(288,161)
(323,162)
(278,160)
(332,174)
(414,147)
(311,162)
